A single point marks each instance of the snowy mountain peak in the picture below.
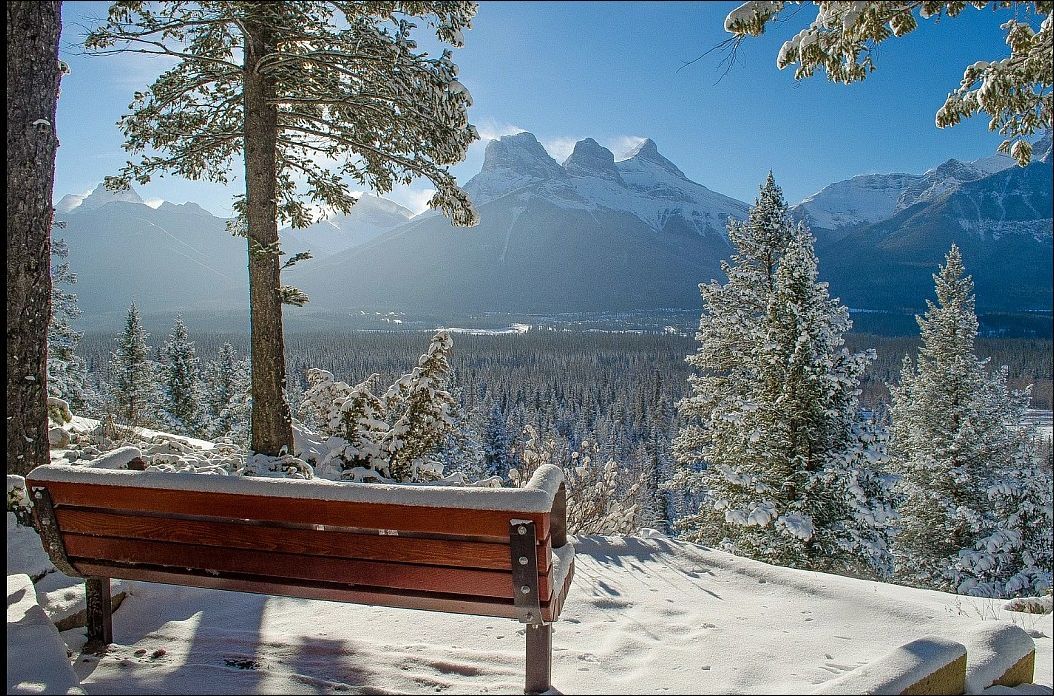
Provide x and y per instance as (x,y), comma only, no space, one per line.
(862,199)
(188,207)
(99,197)
(521,153)
(511,163)
(649,152)
(590,158)
(68,203)
(937,182)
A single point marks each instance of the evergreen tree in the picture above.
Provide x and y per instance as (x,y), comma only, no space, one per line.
(133,389)
(461,450)
(497,444)
(227,395)
(181,387)
(406,435)
(290,87)
(969,477)
(67,378)
(773,416)
(421,412)
(355,420)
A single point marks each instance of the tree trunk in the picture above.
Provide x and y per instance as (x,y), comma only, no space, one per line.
(32,92)
(272,428)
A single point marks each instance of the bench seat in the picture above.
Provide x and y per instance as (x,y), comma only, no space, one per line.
(489,552)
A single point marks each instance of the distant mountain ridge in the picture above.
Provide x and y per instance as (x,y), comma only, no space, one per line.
(589,234)
(586,235)
(370,217)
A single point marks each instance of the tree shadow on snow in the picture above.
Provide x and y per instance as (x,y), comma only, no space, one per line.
(630,552)
(157,655)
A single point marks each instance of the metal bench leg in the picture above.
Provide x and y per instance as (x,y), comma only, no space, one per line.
(539,658)
(100,622)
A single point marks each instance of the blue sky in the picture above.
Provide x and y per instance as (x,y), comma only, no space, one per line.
(616,72)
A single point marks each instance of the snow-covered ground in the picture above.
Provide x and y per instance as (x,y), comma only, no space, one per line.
(644,615)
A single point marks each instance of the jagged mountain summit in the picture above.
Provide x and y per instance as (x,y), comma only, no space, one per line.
(590,234)
(871,198)
(1002,223)
(99,197)
(167,259)
(180,257)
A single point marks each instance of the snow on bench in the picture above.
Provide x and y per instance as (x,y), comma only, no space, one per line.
(484,551)
(1000,654)
(929,665)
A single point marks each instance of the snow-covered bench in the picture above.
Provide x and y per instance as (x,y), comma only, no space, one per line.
(486,551)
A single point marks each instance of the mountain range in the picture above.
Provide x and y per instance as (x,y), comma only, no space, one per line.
(587,234)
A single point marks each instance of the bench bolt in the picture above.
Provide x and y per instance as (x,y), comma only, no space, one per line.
(526,589)
(521,529)
(523,560)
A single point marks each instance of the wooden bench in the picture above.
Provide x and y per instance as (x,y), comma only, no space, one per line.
(489,552)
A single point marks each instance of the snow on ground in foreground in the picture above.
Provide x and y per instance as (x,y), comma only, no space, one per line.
(643,616)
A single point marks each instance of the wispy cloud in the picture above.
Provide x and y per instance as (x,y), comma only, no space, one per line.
(561,147)
(412,198)
(489,129)
(623,145)
(154,203)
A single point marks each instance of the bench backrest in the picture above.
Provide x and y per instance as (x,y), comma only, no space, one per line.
(463,551)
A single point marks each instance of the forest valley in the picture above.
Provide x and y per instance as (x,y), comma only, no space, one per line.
(795,441)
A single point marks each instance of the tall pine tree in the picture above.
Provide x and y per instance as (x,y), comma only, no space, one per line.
(497,444)
(67,378)
(772,438)
(181,386)
(33,73)
(422,414)
(971,486)
(309,97)
(133,389)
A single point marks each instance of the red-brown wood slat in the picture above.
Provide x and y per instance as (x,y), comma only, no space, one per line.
(332,543)
(295,567)
(483,524)
(323,591)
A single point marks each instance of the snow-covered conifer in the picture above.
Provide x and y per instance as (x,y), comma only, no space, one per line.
(772,418)
(399,436)
(421,413)
(968,474)
(181,388)
(497,444)
(67,378)
(227,395)
(461,450)
(133,387)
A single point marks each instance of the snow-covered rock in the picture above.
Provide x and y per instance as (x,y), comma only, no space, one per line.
(36,656)
(25,553)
